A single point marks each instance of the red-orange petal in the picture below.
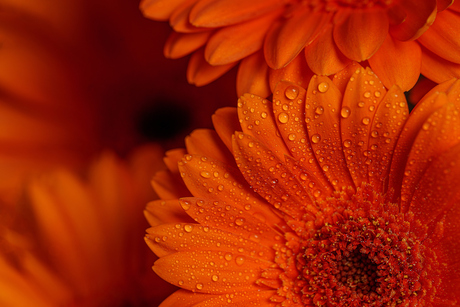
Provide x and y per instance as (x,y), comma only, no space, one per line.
(397,63)
(200,72)
(185,298)
(225,122)
(443,4)
(179,20)
(165,211)
(180,44)
(159,9)
(236,42)
(287,38)
(359,33)
(256,119)
(206,142)
(419,16)
(166,186)
(252,76)
(443,37)
(437,69)
(212,13)
(322,115)
(297,72)
(363,94)
(178,269)
(323,56)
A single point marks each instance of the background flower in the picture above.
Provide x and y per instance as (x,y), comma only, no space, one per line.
(334,194)
(265,36)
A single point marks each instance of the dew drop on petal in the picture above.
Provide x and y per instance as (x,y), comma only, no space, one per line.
(291,92)
(323,87)
(205,174)
(345,112)
(199,286)
(366,120)
(283,118)
(239,260)
(228,257)
(367,94)
(426,126)
(188,228)
(316,138)
(347,143)
(185,205)
(215,278)
(319,110)
(263,114)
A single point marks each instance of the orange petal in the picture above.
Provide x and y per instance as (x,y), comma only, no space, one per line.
(159,9)
(297,72)
(443,4)
(186,298)
(418,116)
(437,69)
(256,120)
(342,78)
(360,33)
(225,121)
(228,268)
(180,44)
(172,157)
(179,19)
(168,186)
(397,63)
(389,119)
(236,42)
(206,178)
(287,38)
(439,132)
(443,37)
(252,76)
(200,73)
(419,16)
(257,297)
(238,224)
(212,13)
(165,211)
(289,108)
(268,176)
(322,115)
(362,97)
(323,56)
(206,142)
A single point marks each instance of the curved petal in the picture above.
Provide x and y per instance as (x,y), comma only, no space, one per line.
(225,121)
(443,4)
(159,9)
(166,186)
(256,119)
(288,37)
(362,97)
(322,115)
(180,44)
(397,63)
(419,16)
(212,13)
(179,268)
(297,72)
(165,211)
(443,37)
(179,20)
(200,72)
(323,56)
(206,142)
(359,33)
(252,76)
(437,69)
(235,42)
(185,298)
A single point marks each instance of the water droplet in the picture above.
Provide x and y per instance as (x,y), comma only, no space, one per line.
(316,138)
(215,278)
(185,205)
(345,112)
(181,282)
(228,257)
(325,168)
(426,126)
(388,141)
(239,260)
(377,94)
(283,118)
(188,228)
(291,137)
(374,134)
(291,92)
(239,221)
(251,144)
(317,193)
(366,120)
(347,143)
(220,187)
(323,87)
(367,94)
(199,286)
(372,108)
(263,115)
(205,174)
(319,110)
(361,104)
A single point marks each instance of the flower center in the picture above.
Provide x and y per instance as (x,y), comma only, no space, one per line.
(356,251)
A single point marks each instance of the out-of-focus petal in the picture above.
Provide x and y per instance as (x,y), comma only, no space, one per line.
(359,33)
(443,4)
(288,37)
(436,68)
(252,76)
(200,72)
(181,44)
(398,63)
(323,56)
(206,142)
(297,72)
(225,121)
(212,13)
(419,16)
(179,19)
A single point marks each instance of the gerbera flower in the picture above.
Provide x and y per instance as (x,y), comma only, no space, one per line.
(328,196)
(74,243)
(266,36)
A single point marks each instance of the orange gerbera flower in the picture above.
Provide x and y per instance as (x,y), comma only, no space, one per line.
(74,243)
(267,35)
(335,197)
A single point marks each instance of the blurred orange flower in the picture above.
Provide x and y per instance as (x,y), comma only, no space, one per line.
(330,195)
(268,35)
(74,242)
